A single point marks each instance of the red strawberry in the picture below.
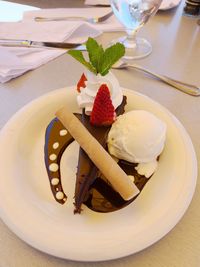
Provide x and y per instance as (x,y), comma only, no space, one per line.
(81,82)
(103,112)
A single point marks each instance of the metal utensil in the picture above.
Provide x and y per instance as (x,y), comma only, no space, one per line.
(29,43)
(99,5)
(75,18)
(184,87)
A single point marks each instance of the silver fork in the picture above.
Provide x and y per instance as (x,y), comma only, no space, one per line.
(75,18)
(184,87)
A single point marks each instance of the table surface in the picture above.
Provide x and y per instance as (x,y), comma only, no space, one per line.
(176,53)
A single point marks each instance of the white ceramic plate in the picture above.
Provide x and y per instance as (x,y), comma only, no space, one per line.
(165,5)
(29,210)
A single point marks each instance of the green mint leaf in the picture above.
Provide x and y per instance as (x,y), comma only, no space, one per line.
(95,52)
(78,55)
(111,55)
(100,61)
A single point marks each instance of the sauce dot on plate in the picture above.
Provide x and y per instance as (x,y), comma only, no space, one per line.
(52,157)
(53,167)
(55,181)
(63,132)
(59,195)
(55,145)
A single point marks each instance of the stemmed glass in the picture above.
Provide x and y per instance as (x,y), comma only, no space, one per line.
(133,14)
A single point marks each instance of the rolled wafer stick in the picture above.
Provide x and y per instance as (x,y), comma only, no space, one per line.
(104,162)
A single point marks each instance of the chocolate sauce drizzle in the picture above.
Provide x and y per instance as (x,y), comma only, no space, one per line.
(52,137)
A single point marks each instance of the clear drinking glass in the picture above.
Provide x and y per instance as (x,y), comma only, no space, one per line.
(133,14)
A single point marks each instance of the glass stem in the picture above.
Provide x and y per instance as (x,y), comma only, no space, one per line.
(130,41)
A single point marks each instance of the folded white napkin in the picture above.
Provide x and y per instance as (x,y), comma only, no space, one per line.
(15,61)
(165,5)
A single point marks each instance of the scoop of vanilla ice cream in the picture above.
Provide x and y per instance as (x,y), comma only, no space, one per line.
(137,136)
(87,95)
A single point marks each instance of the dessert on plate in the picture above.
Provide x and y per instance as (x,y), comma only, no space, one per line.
(119,151)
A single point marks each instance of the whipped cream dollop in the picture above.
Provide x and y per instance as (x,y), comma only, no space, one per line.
(87,95)
(138,136)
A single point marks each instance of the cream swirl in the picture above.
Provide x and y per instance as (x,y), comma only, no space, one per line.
(87,95)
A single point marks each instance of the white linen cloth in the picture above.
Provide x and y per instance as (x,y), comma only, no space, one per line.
(17,60)
(165,5)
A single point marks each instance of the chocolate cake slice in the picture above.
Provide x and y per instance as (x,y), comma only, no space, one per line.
(87,172)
